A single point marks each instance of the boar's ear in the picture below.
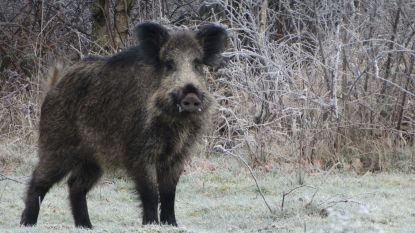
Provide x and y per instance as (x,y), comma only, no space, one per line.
(213,40)
(151,37)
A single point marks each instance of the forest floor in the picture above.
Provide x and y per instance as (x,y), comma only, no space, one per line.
(219,195)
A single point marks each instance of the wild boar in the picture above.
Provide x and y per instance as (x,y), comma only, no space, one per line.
(141,110)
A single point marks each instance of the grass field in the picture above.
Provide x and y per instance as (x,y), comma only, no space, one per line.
(219,195)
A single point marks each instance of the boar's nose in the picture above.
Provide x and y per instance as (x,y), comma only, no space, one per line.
(191,103)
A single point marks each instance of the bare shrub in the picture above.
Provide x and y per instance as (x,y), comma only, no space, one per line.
(309,84)
(336,86)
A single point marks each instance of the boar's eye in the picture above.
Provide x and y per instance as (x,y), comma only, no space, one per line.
(170,65)
(197,64)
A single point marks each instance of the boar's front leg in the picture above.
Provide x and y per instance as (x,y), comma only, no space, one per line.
(144,175)
(168,176)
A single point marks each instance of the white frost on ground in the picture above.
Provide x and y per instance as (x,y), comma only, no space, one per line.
(225,199)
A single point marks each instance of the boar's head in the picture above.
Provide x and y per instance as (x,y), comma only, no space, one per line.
(179,58)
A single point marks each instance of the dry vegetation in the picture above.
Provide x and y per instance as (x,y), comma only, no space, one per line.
(310,86)
(314,85)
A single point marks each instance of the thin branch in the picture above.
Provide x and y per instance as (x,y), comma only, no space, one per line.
(3,177)
(284,194)
(377,76)
(333,203)
(326,175)
(221,149)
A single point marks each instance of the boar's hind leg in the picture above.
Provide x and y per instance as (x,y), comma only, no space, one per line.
(45,175)
(168,176)
(82,179)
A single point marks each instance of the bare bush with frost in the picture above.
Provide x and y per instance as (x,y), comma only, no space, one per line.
(307,85)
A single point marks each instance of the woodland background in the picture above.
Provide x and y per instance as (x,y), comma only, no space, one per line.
(315,123)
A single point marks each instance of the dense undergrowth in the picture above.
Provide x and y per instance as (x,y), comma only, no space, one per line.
(308,86)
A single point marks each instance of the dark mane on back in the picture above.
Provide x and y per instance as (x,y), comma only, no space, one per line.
(128,57)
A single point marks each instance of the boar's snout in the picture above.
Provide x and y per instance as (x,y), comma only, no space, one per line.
(191,103)
(188,99)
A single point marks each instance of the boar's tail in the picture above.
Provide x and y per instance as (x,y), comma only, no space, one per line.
(55,74)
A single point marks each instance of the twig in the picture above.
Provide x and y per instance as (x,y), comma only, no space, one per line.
(333,203)
(335,75)
(390,82)
(284,194)
(318,189)
(3,177)
(330,202)
(221,149)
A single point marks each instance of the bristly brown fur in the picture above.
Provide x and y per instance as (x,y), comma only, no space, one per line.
(126,111)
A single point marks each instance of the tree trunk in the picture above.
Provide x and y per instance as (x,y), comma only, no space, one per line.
(122,13)
(264,114)
(391,46)
(99,33)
